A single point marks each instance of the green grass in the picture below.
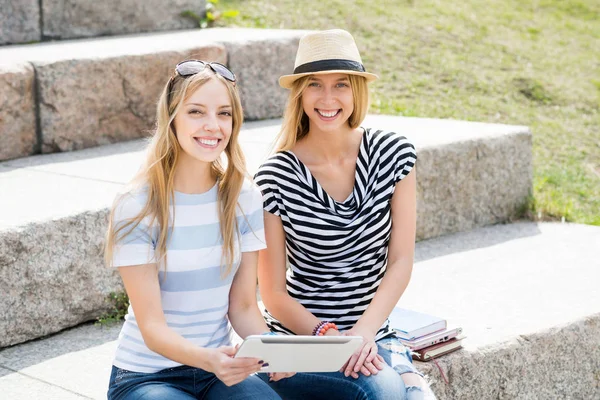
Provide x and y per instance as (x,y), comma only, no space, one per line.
(119,303)
(534,63)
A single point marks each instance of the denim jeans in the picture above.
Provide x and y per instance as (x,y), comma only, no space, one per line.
(387,384)
(181,383)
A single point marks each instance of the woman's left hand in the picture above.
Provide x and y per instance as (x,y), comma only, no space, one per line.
(365,360)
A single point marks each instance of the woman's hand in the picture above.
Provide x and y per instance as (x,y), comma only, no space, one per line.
(365,360)
(232,370)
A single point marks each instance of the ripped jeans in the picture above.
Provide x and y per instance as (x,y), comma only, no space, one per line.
(387,384)
(398,357)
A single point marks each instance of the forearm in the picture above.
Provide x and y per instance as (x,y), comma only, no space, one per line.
(291,313)
(390,290)
(247,320)
(163,340)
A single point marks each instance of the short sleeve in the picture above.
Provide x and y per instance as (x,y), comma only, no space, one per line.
(133,246)
(406,157)
(267,185)
(252,226)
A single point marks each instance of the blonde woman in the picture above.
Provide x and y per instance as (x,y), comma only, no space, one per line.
(185,239)
(340,208)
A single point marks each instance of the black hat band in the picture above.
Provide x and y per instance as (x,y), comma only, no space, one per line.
(329,65)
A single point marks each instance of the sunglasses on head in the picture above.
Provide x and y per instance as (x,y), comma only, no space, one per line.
(192,67)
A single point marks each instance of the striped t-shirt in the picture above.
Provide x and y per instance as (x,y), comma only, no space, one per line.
(194,296)
(337,251)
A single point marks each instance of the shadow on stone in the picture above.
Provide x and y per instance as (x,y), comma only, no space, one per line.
(66,157)
(472,240)
(76,339)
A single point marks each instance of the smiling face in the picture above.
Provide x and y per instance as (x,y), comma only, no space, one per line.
(328,101)
(204,122)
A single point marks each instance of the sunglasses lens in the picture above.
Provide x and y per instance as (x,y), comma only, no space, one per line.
(223,71)
(191,67)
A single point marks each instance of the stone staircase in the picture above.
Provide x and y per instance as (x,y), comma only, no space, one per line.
(53,215)
(526,295)
(70,95)
(72,115)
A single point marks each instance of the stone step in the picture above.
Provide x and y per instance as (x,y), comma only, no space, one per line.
(71,95)
(53,210)
(27,21)
(525,294)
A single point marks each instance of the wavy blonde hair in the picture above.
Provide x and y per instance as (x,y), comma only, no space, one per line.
(158,171)
(295,121)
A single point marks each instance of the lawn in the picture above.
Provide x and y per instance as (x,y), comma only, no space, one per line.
(521,62)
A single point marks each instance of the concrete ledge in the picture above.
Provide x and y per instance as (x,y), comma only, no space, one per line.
(53,277)
(527,298)
(19,21)
(52,221)
(26,21)
(558,363)
(68,19)
(500,283)
(470,174)
(17,111)
(95,92)
(258,65)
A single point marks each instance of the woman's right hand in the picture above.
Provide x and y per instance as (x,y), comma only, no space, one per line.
(364,360)
(232,370)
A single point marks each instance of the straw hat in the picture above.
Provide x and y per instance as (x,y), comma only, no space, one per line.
(326,52)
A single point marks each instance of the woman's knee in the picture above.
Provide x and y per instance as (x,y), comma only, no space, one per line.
(412,379)
(416,387)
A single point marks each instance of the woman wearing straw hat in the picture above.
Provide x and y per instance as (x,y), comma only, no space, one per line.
(340,208)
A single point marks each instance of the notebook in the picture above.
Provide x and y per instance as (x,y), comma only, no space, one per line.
(410,324)
(438,350)
(431,339)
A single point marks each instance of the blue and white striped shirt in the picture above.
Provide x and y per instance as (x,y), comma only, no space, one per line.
(194,296)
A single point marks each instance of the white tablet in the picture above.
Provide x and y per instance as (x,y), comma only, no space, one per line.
(300,353)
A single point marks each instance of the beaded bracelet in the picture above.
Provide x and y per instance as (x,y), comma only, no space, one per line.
(318,327)
(324,328)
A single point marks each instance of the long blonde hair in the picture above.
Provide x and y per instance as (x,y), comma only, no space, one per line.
(295,121)
(158,171)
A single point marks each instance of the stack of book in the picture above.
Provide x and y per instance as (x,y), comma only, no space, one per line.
(426,336)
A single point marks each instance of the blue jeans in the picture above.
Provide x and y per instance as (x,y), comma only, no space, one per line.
(387,384)
(181,383)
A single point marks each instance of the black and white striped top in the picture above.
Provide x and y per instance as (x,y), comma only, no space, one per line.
(337,251)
